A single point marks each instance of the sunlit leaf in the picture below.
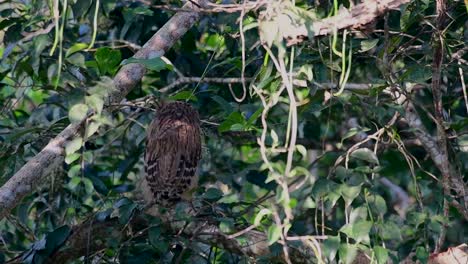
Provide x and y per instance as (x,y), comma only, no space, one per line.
(107,60)
(368,44)
(347,253)
(78,112)
(184,95)
(381,254)
(262,213)
(358,231)
(73,145)
(95,102)
(366,155)
(213,194)
(330,247)
(274,233)
(76,47)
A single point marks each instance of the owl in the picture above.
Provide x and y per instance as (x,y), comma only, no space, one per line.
(173,150)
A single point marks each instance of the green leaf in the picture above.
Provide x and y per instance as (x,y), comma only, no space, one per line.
(226,225)
(422,254)
(89,187)
(95,102)
(232,119)
(381,254)
(390,231)
(309,203)
(73,145)
(368,44)
(121,202)
(260,215)
(416,218)
(154,234)
(301,149)
(74,183)
(357,214)
(155,64)
(322,187)
(213,194)
(347,253)
(92,127)
(275,138)
(75,48)
(98,184)
(274,233)
(69,159)
(377,204)
(237,127)
(184,95)
(358,231)
(225,105)
(254,116)
(103,215)
(77,113)
(306,72)
(56,238)
(214,42)
(417,74)
(330,247)
(8,22)
(125,212)
(107,60)
(352,132)
(161,246)
(74,170)
(366,155)
(78,60)
(349,193)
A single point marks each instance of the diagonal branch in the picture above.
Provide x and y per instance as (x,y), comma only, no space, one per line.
(35,170)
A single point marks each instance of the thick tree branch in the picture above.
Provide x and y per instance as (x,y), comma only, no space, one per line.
(35,170)
(358,16)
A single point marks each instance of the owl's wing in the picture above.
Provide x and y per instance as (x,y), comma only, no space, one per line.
(171,160)
(189,158)
(161,160)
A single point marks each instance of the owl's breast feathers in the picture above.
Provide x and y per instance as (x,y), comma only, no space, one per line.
(173,151)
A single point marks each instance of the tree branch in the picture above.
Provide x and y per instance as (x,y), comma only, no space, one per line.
(35,170)
(358,16)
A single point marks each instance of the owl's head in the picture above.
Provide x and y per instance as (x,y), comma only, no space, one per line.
(178,111)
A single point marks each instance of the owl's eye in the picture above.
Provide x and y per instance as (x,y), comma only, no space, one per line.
(178,114)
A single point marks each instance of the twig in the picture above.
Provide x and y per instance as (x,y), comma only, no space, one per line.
(214,8)
(462,79)
(31,35)
(185,80)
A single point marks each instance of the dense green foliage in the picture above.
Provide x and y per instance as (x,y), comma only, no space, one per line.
(358,174)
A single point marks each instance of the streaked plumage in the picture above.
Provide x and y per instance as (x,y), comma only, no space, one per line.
(173,150)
